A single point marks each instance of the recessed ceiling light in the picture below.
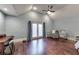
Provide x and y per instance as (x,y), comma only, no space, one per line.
(49,12)
(5,9)
(34,8)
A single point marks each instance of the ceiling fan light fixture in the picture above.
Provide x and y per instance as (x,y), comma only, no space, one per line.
(48,12)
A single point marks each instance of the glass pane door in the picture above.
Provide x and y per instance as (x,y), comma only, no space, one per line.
(37,30)
(34,30)
(40,30)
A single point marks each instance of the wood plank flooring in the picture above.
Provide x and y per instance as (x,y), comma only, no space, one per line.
(45,47)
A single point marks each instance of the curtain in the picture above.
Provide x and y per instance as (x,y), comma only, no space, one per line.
(44,31)
(29,31)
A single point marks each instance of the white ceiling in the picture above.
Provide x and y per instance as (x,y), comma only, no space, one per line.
(17,9)
(10,11)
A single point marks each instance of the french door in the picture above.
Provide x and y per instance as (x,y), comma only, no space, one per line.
(37,30)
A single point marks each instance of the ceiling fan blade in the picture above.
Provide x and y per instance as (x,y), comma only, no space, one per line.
(51,7)
(52,11)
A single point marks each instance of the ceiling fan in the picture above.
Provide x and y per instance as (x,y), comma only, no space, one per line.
(49,9)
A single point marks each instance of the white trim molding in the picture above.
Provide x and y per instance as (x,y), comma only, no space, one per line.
(20,39)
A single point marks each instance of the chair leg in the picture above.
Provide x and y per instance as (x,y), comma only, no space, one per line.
(13,48)
(10,50)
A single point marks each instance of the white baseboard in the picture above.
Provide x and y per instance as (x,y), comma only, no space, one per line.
(72,38)
(20,39)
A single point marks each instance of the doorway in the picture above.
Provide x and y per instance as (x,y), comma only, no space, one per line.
(37,31)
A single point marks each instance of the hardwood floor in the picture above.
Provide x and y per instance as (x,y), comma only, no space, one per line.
(45,47)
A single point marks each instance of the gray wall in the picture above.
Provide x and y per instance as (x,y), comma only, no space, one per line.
(17,26)
(68,19)
(2,23)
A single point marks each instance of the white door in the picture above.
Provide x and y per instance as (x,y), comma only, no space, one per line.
(34,30)
(40,30)
(37,30)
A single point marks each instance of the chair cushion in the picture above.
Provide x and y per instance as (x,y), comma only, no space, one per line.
(7,50)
